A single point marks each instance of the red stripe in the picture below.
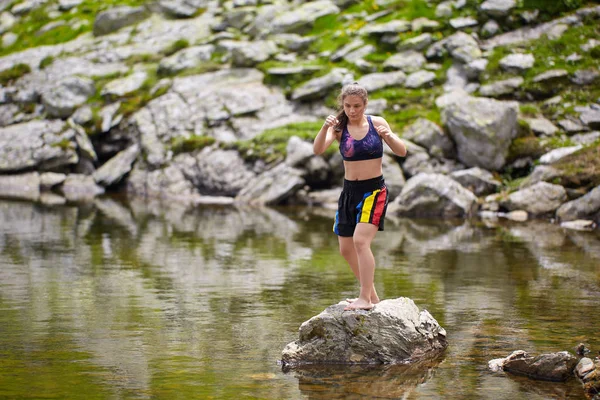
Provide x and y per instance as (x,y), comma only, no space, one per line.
(379,206)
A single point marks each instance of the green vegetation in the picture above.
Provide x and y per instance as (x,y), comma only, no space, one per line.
(271,145)
(176,46)
(14,73)
(192,143)
(46,61)
(580,169)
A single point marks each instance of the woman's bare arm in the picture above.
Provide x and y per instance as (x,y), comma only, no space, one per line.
(326,135)
(392,140)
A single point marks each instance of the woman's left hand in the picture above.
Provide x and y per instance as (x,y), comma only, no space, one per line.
(383,130)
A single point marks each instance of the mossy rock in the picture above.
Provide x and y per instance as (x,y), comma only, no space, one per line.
(529,146)
(580,169)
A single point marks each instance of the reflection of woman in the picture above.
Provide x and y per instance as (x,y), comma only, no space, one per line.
(364,198)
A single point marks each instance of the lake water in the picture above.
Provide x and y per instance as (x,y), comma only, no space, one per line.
(143,300)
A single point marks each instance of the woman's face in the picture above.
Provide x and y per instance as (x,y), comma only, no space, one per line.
(354,107)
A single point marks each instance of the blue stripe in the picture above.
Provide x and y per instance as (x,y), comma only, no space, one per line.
(336,223)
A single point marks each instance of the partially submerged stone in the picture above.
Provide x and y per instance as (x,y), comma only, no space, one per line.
(394,331)
(556,367)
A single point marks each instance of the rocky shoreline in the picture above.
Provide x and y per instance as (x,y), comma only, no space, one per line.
(178,101)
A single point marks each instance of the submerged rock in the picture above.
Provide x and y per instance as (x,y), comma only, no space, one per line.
(394,331)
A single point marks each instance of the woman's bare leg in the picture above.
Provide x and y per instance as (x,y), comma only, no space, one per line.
(348,251)
(365,262)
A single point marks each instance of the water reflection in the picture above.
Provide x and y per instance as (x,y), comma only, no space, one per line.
(159,300)
(363,381)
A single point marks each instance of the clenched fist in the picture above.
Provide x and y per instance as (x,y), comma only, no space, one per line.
(331,120)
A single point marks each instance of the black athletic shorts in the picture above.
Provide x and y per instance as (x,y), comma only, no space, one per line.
(361,201)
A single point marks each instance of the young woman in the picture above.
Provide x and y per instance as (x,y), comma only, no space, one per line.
(364,198)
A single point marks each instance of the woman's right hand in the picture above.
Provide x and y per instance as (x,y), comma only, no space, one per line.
(331,120)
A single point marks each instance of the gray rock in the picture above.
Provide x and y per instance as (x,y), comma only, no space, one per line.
(116,18)
(585,76)
(538,199)
(497,8)
(303,17)
(67,5)
(293,42)
(380,80)
(394,178)
(434,195)
(177,9)
(394,331)
(456,77)
(48,180)
(463,22)
(444,9)
(216,172)
(320,87)
(9,38)
(517,63)
(23,186)
(554,155)
(585,207)
(475,68)
(113,171)
(431,136)
(346,49)
(83,115)
(252,53)
(165,183)
(80,188)
(501,88)
(557,31)
(557,367)
(392,27)
(585,138)
(462,47)
(477,180)
(591,118)
(43,145)
(570,126)
(541,173)
(424,24)
(579,225)
(490,28)
(272,187)
(239,17)
(298,152)
(482,130)
(7,21)
(124,86)
(541,126)
(551,75)
(409,61)
(376,107)
(419,79)
(69,93)
(189,57)
(86,148)
(416,43)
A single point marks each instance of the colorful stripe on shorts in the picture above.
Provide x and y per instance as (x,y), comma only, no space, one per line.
(371,208)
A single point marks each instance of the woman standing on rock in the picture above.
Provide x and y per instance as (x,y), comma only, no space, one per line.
(364,198)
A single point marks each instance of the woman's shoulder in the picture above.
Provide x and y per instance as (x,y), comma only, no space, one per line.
(377,120)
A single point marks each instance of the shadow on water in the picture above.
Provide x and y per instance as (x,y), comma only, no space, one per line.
(147,299)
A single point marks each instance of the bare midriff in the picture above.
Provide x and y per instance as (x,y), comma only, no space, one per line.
(363,170)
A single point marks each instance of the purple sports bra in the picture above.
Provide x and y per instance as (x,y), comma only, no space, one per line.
(367,148)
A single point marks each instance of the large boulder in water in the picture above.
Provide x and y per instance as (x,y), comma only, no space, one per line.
(394,331)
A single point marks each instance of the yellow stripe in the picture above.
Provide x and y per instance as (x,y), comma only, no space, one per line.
(367,207)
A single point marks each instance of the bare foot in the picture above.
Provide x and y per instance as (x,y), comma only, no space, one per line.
(374,300)
(359,304)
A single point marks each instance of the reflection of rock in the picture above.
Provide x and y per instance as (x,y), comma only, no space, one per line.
(349,381)
(394,331)
(117,213)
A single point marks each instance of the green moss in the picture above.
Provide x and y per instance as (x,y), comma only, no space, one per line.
(207,66)
(580,169)
(14,73)
(192,143)
(406,105)
(46,61)
(271,145)
(64,145)
(176,46)
(523,129)
(529,110)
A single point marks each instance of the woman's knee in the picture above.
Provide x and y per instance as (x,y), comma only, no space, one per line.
(361,243)
(347,249)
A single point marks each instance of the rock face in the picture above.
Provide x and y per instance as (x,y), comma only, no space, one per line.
(482,130)
(555,367)
(394,331)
